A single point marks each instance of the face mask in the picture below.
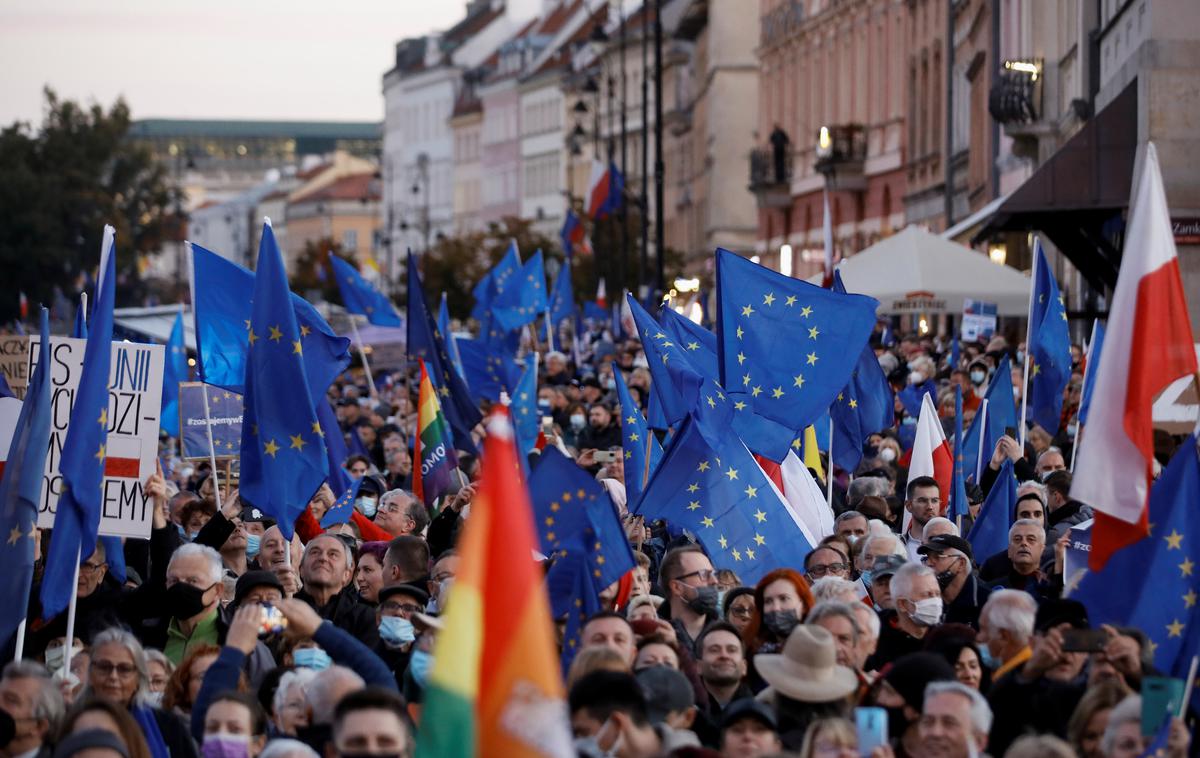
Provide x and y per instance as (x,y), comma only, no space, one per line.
(221,745)
(915,377)
(577,421)
(867,576)
(887,455)
(184,601)
(367,506)
(977,377)
(179,528)
(419,665)
(1020,356)
(928,612)
(705,601)
(154,699)
(944,578)
(311,658)
(56,656)
(851,538)
(780,623)
(253,545)
(986,659)
(544,406)
(610,383)
(720,598)
(396,631)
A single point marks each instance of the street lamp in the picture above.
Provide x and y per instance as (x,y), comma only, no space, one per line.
(785,259)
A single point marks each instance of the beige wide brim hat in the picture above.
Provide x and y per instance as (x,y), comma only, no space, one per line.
(807,669)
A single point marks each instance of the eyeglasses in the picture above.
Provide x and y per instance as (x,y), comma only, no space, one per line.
(106,668)
(90,567)
(741,611)
(821,569)
(703,575)
(402,607)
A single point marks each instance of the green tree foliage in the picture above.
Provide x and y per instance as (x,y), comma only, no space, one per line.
(59,184)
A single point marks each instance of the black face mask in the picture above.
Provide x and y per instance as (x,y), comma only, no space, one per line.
(780,623)
(705,601)
(184,601)
(944,578)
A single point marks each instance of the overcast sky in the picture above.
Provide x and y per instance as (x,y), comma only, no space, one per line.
(256,59)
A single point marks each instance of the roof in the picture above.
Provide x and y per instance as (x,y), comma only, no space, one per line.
(231,128)
(353,187)
(562,56)
(472,24)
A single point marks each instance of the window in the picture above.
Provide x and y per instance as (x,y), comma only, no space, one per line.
(350,240)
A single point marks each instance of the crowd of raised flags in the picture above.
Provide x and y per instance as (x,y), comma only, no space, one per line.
(739,444)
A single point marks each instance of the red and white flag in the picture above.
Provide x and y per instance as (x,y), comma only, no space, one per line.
(601,296)
(827,234)
(931,454)
(1147,346)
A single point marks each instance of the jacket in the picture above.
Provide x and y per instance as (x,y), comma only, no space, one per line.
(347,611)
(966,605)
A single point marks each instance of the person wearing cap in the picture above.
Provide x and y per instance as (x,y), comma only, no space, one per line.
(398,603)
(963,594)
(749,730)
(880,574)
(900,690)
(805,682)
(670,706)
(918,601)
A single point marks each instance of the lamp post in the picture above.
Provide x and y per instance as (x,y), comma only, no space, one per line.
(659,168)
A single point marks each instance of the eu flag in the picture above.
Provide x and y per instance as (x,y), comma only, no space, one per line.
(443,321)
(1153,584)
(21,491)
(573,596)
(77,520)
(335,445)
(487,373)
(283,450)
(524,407)
(786,347)
(959,506)
(1049,347)
(495,281)
(989,533)
(174,371)
(674,379)
(640,448)
(524,299)
(425,341)
(222,297)
(709,483)
(562,299)
(360,297)
(1093,363)
(341,511)
(997,413)
(864,407)
(698,343)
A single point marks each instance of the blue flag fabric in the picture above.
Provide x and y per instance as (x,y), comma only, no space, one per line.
(524,299)
(495,281)
(1093,363)
(640,448)
(1049,347)
(786,347)
(959,505)
(698,343)
(224,292)
(709,483)
(77,519)
(174,371)
(341,511)
(335,446)
(654,412)
(1001,413)
(561,494)
(283,451)
(616,192)
(989,534)
(523,404)
(21,491)
(425,342)
(360,297)
(573,595)
(487,373)
(596,312)
(443,321)
(863,407)
(1153,584)
(356,446)
(562,299)
(673,377)
(5,390)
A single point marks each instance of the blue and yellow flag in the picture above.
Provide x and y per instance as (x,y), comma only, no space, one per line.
(283,448)
(343,508)
(524,299)
(1049,347)
(360,297)
(989,533)
(174,371)
(487,373)
(443,321)
(77,520)
(562,299)
(495,281)
(997,413)
(639,446)
(523,404)
(863,407)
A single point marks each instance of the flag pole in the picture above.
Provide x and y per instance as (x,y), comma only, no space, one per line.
(362,353)
(549,333)
(983,409)
(20,639)
(1087,368)
(829,468)
(1028,349)
(212,451)
(70,641)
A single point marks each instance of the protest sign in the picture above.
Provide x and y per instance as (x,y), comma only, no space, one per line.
(978,320)
(225,413)
(1075,562)
(134,402)
(14,363)
(10,411)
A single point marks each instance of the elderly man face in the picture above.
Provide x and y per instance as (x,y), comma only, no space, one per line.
(392,515)
(1025,545)
(325,565)
(946,729)
(856,527)
(1051,460)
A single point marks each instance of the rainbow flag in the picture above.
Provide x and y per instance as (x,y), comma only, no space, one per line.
(495,688)
(433,449)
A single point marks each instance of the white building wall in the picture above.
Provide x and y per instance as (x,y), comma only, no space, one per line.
(543,155)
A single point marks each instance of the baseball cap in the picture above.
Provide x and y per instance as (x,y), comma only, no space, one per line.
(253,579)
(885,565)
(943,542)
(748,708)
(411,590)
(666,691)
(1055,611)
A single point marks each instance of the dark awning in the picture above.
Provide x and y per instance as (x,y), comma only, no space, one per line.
(1078,196)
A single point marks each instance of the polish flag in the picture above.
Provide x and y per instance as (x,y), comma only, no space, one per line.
(597,188)
(1147,346)
(601,295)
(800,496)
(931,454)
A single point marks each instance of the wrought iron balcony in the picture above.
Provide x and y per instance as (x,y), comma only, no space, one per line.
(771,176)
(841,153)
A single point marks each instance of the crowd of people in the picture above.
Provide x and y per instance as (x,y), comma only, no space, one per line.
(227,640)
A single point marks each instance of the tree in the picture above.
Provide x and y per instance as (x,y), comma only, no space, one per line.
(59,185)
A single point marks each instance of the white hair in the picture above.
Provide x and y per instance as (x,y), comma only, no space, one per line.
(1027,522)
(294,678)
(902,581)
(321,689)
(867,486)
(877,528)
(1014,611)
(48,703)
(346,550)
(1129,709)
(285,747)
(897,548)
(868,618)
(981,712)
(215,567)
(832,608)
(1036,488)
(117,636)
(938,521)
(835,588)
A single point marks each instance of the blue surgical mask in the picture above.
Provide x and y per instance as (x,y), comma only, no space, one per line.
(988,660)
(867,576)
(311,658)
(253,545)
(419,665)
(190,536)
(396,631)
(367,506)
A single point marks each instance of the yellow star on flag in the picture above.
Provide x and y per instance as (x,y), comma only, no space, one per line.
(739,332)
(777,392)
(759,539)
(15,535)
(747,310)
(316,427)
(736,555)
(769,298)
(749,554)
(853,403)
(806,311)
(799,381)
(703,466)
(756,391)
(633,436)
(694,505)
(760,516)
(812,359)
(305,331)
(741,358)
(297,442)
(252,338)
(751,492)
(731,473)
(1175,629)
(1174,540)
(707,522)
(297,349)
(1189,599)
(724,543)
(791,300)
(103,420)
(1186,567)
(100,453)
(739,405)
(693,487)
(275,335)
(271,448)
(813,332)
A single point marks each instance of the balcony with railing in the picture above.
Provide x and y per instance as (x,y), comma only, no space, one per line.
(841,153)
(771,176)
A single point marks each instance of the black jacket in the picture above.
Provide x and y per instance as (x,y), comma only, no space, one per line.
(348,612)
(967,604)
(893,642)
(175,734)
